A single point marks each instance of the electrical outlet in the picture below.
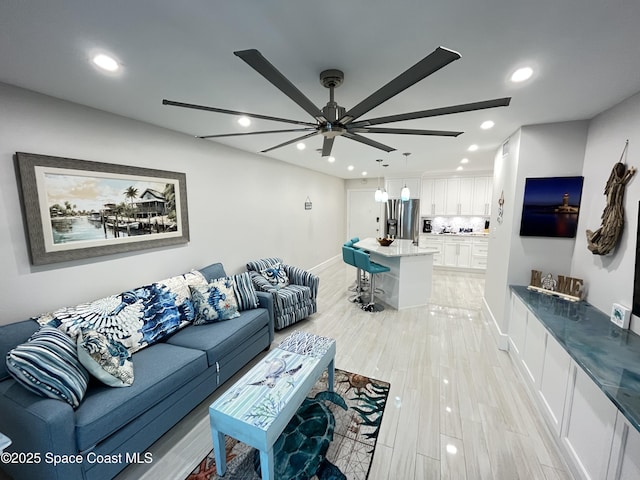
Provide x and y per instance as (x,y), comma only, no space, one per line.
(620,315)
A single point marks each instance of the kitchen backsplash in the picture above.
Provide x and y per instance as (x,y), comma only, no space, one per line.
(455,224)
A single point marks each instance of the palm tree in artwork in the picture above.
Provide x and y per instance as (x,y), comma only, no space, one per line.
(131,193)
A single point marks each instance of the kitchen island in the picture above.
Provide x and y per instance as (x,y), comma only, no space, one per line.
(408,283)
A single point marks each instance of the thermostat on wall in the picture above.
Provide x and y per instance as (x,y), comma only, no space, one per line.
(620,315)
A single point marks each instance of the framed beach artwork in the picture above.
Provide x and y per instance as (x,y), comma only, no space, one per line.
(76,209)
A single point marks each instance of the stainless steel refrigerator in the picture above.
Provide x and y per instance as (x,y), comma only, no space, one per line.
(402,219)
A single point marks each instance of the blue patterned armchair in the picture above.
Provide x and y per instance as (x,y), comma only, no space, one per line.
(294,290)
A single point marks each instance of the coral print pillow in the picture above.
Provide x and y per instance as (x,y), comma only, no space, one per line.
(276,275)
(215,302)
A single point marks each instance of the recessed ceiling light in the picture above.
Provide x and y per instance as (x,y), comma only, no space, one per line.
(106,62)
(364,174)
(487,125)
(473,148)
(331,159)
(522,74)
(452,449)
(301,146)
(244,121)
(350,167)
(460,167)
(464,160)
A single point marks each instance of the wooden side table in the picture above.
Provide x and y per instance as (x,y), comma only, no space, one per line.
(257,408)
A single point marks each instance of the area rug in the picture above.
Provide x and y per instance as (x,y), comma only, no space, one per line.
(354,439)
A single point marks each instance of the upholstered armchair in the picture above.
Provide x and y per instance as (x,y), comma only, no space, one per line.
(294,290)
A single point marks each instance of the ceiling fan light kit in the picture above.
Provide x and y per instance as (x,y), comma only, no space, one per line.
(334,120)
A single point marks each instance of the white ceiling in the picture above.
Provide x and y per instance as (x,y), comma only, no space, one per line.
(584,52)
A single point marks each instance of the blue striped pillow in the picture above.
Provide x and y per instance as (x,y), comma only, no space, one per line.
(245,291)
(47,364)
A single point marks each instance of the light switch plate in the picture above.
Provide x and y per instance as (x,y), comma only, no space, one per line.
(620,315)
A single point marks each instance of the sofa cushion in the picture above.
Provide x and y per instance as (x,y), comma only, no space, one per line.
(107,360)
(136,318)
(215,302)
(221,338)
(245,291)
(276,275)
(48,365)
(160,371)
(11,335)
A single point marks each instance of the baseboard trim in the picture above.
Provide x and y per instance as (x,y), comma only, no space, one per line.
(327,263)
(501,339)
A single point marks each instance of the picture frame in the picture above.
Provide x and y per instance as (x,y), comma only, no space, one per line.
(551,206)
(77,209)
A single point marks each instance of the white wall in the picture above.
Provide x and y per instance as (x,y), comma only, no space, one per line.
(241,206)
(535,151)
(610,278)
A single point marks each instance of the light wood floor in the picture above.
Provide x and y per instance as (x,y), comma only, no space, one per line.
(457,408)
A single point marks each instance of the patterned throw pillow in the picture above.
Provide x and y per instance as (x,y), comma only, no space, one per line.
(47,364)
(245,291)
(136,318)
(214,303)
(179,286)
(107,360)
(276,275)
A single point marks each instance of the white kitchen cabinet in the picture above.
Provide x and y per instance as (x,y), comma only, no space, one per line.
(394,186)
(482,189)
(432,241)
(432,198)
(534,350)
(624,463)
(517,326)
(457,252)
(588,425)
(479,253)
(553,383)
(459,196)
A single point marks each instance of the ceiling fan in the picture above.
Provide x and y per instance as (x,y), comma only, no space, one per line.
(334,120)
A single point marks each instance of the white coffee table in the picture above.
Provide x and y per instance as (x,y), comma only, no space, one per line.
(257,408)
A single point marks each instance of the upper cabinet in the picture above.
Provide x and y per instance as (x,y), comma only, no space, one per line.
(433,197)
(482,189)
(394,186)
(459,196)
(456,196)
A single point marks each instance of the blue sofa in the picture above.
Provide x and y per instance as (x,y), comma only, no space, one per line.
(113,427)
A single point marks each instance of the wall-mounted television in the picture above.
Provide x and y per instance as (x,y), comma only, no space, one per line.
(551,207)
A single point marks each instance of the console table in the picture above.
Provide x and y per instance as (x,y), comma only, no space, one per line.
(257,408)
(584,373)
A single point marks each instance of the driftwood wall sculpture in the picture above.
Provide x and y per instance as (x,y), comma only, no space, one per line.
(604,239)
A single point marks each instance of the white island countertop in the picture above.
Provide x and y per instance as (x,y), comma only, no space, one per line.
(399,248)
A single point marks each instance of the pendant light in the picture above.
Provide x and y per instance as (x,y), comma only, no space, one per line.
(378,194)
(381,194)
(405,193)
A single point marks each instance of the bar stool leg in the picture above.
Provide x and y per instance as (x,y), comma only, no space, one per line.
(372,306)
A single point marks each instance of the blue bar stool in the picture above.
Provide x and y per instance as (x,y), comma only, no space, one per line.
(363,261)
(350,259)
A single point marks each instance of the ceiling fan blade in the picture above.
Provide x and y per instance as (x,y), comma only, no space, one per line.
(261,65)
(256,133)
(289,142)
(406,131)
(234,112)
(327,145)
(433,62)
(368,141)
(465,107)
